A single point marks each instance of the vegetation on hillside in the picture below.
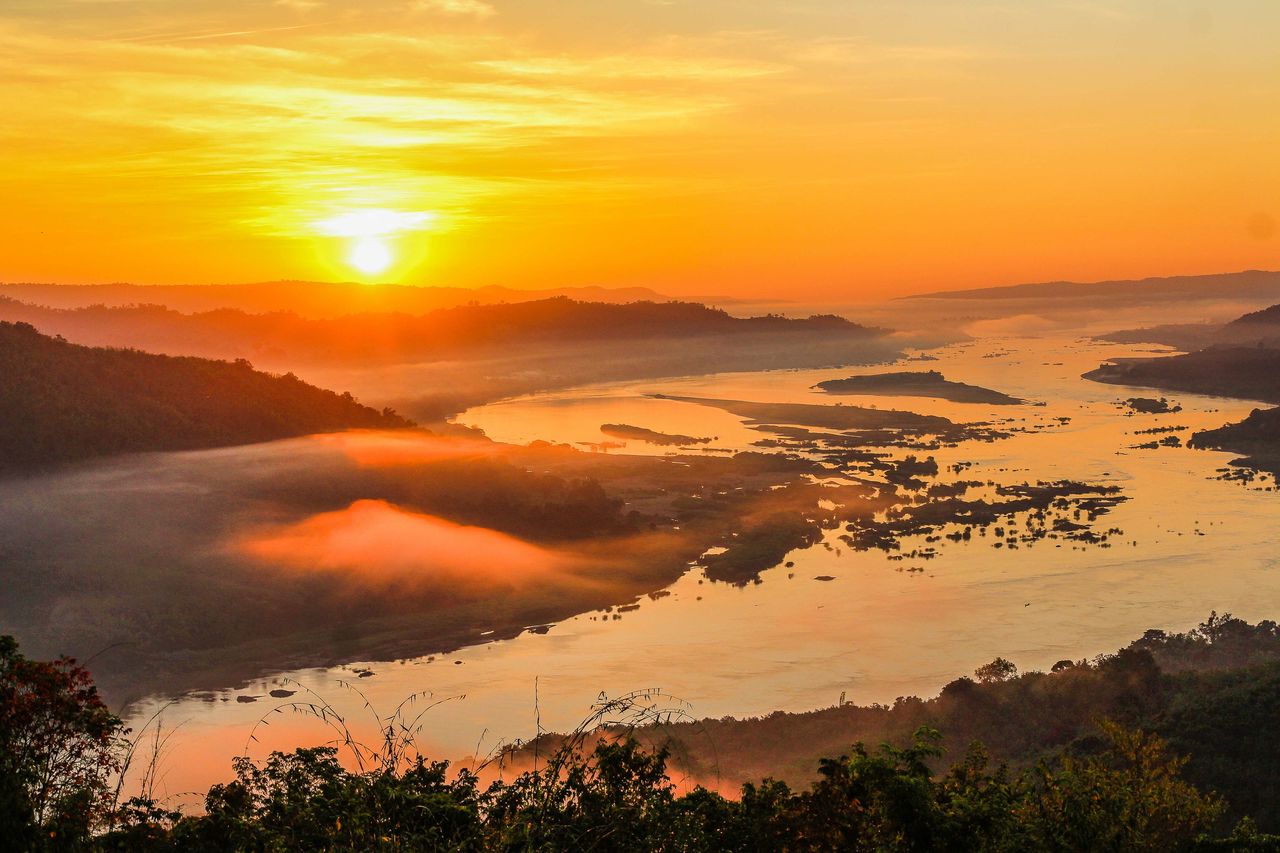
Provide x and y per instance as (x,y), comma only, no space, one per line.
(1209,691)
(64,402)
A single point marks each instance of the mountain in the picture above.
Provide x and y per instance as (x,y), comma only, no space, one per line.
(305,298)
(1249,284)
(285,337)
(1265,317)
(1257,328)
(63,402)
(1260,328)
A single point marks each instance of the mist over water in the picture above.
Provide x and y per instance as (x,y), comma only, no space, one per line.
(480,424)
(837,621)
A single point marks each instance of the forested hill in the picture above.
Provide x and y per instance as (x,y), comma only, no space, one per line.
(63,402)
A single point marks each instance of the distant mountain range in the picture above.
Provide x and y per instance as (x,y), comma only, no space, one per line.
(286,337)
(1250,284)
(1255,329)
(63,402)
(305,298)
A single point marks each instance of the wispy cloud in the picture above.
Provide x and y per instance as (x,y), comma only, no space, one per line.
(312,122)
(465,8)
(735,139)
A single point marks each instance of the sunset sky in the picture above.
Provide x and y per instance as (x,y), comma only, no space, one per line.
(819,148)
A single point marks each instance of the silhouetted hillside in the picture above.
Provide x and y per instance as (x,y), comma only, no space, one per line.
(1257,328)
(306,298)
(388,338)
(63,402)
(1270,316)
(1250,283)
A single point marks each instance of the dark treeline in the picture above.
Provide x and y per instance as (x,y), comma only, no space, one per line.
(63,402)
(397,337)
(1115,786)
(1213,692)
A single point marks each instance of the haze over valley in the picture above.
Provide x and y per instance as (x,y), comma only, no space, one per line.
(507,534)
(698,427)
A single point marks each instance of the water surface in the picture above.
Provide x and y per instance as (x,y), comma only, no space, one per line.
(1191,543)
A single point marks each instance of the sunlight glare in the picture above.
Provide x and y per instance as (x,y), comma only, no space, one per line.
(370,255)
(375,221)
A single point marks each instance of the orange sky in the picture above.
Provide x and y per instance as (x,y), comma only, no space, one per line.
(815,148)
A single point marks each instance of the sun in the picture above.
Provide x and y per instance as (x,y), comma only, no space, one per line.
(370,255)
(371,234)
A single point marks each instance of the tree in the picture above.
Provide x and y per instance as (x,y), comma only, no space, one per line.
(998,670)
(873,802)
(59,748)
(1130,797)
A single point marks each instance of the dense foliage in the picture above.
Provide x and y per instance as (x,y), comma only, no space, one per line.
(59,746)
(1212,692)
(1120,789)
(64,402)
(618,798)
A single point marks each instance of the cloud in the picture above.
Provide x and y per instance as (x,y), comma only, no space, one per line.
(287,126)
(638,67)
(462,8)
(1098,10)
